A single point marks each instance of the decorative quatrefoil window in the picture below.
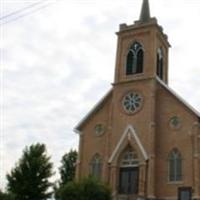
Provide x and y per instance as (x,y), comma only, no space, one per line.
(132,102)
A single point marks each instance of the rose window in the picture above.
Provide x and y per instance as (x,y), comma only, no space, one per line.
(132,102)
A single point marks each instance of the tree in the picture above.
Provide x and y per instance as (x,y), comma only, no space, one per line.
(29,180)
(67,171)
(68,167)
(86,189)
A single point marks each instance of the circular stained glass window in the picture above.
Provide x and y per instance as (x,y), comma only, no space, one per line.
(132,102)
(175,122)
(99,129)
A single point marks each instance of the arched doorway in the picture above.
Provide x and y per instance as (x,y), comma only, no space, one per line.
(129,173)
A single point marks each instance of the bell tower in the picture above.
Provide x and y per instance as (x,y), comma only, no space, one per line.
(142,50)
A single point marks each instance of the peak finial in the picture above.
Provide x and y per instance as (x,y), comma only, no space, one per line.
(145,12)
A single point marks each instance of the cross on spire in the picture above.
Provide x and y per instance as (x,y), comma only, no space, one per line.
(145,12)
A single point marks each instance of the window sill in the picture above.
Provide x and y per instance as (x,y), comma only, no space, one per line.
(135,75)
(175,183)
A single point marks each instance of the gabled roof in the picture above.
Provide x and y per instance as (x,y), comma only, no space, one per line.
(178,97)
(129,130)
(95,109)
(102,101)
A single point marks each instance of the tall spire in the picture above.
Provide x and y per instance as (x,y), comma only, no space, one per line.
(145,12)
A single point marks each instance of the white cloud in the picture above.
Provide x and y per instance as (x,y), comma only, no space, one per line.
(60,60)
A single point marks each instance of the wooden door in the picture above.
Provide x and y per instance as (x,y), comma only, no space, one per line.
(128,180)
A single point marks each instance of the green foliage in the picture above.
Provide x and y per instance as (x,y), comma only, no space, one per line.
(70,191)
(67,171)
(68,165)
(29,180)
(5,196)
(87,189)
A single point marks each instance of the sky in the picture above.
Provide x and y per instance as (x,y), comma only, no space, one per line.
(58,60)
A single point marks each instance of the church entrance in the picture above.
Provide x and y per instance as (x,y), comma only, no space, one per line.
(128,180)
(129,173)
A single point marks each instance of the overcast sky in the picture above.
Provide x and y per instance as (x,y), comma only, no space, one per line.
(58,59)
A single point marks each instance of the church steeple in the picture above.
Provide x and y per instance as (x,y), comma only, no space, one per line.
(142,51)
(145,12)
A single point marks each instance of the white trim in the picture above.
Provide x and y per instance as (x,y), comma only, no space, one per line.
(178,97)
(129,129)
(76,129)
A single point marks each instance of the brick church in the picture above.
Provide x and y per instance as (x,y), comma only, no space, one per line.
(142,138)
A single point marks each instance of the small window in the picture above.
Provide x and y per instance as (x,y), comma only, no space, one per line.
(134,62)
(175,166)
(160,63)
(96,166)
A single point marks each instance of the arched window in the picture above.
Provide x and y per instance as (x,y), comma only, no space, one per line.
(129,64)
(140,56)
(96,164)
(175,166)
(160,63)
(129,158)
(134,61)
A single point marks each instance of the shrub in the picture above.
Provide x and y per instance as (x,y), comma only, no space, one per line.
(86,189)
